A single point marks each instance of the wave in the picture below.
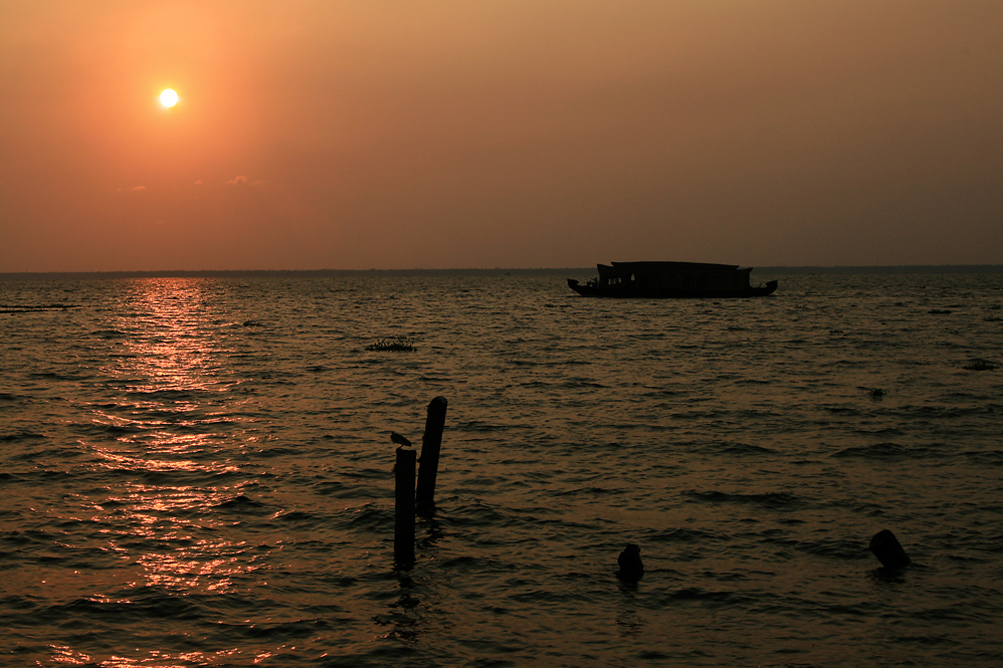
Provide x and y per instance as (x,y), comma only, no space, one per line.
(887,451)
(771,500)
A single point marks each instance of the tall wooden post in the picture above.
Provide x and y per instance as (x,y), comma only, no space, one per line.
(404,508)
(430,444)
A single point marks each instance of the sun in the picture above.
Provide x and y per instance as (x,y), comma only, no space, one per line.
(169,98)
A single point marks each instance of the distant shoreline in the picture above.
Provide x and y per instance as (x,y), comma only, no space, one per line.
(335,273)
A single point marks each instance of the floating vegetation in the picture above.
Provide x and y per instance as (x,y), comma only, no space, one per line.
(993,318)
(395,344)
(939,311)
(981,365)
(876,393)
(993,307)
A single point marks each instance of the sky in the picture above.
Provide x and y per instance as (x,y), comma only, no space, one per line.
(316,134)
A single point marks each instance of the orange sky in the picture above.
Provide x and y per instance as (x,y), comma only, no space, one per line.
(320,134)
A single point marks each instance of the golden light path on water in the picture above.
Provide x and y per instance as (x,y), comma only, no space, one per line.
(166,425)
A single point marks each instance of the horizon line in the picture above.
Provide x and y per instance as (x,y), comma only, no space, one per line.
(179,273)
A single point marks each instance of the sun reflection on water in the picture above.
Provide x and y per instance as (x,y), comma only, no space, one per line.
(174,349)
(169,434)
(64,655)
(204,566)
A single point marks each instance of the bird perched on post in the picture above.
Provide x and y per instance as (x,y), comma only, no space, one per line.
(399,440)
(629,561)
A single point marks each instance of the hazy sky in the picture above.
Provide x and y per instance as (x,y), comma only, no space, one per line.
(318,134)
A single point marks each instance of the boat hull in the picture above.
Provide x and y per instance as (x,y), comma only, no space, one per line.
(633,292)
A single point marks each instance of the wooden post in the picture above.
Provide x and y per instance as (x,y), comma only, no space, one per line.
(887,549)
(430,444)
(629,561)
(404,508)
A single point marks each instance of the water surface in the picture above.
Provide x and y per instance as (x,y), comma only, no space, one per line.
(197,471)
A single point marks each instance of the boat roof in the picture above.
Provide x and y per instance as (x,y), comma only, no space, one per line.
(669,266)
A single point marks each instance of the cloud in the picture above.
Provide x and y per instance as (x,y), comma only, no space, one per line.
(134,189)
(244,181)
(198,182)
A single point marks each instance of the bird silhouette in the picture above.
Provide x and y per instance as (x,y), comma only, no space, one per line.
(399,440)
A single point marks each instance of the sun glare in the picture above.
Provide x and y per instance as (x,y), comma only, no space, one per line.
(169,98)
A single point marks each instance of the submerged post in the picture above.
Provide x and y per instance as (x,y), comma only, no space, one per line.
(430,444)
(887,549)
(404,508)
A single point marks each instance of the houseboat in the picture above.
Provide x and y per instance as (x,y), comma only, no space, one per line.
(671,280)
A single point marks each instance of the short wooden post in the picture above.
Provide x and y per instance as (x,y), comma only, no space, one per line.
(887,549)
(430,444)
(404,508)
(629,561)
